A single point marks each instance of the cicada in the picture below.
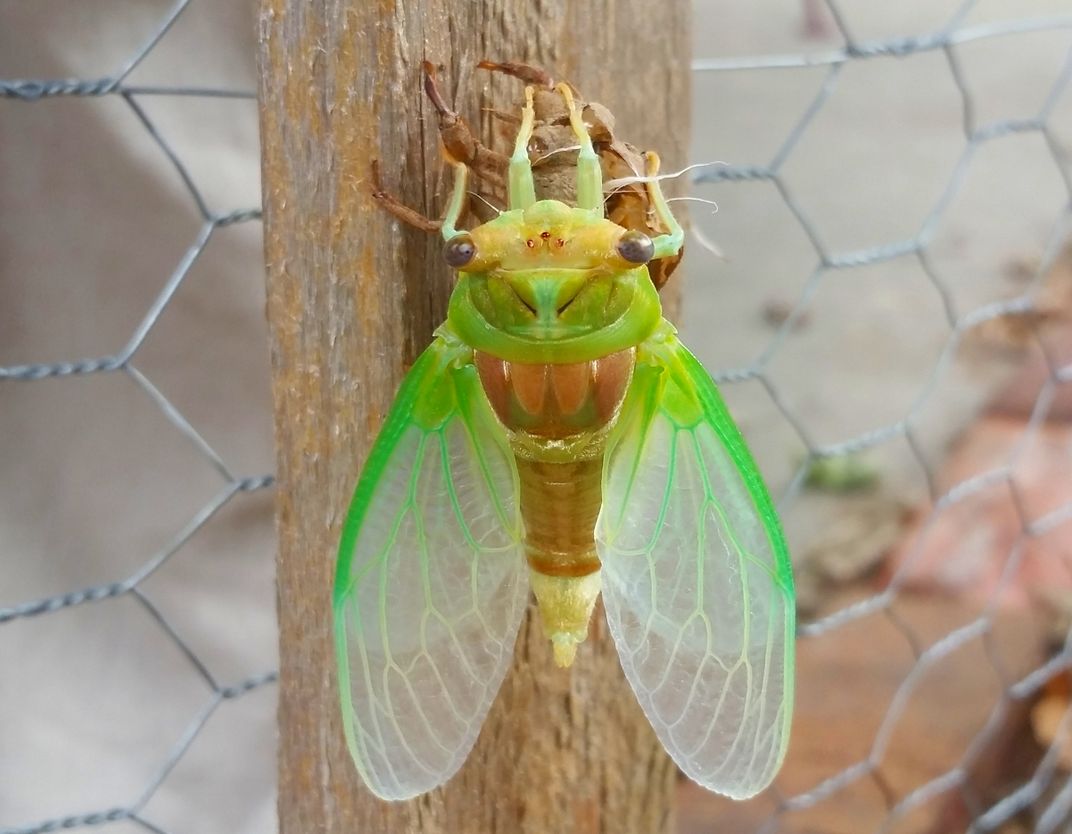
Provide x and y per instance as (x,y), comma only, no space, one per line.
(557,436)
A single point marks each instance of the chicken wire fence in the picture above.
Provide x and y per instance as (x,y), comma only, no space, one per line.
(232,485)
(1044,798)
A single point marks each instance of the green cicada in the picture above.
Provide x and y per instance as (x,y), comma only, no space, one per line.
(557,436)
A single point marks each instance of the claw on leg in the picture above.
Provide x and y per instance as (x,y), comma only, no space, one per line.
(527,73)
(431,89)
(396,208)
(457,138)
(499,115)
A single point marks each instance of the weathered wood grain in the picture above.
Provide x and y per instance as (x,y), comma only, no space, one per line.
(352,299)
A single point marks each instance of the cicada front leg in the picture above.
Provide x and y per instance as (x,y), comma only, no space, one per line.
(458,139)
(459,147)
(396,208)
(537,76)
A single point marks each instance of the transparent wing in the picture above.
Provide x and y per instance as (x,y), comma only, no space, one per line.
(696,577)
(431,581)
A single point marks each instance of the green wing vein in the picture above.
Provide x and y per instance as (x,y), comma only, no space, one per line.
(430,582)
(697,582)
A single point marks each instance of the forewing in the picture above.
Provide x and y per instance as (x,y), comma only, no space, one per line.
(431,582)
(696,577)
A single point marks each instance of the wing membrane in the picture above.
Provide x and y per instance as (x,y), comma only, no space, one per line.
(696,577)
(431,583)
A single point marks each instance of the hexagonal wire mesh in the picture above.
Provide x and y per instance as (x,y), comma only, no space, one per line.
(1047,789)
(958,797)
(153,624)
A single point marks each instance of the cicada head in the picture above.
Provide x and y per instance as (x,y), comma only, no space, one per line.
(546,281)
(550,235)
(548,271)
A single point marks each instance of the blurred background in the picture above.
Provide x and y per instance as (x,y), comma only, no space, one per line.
(884,292)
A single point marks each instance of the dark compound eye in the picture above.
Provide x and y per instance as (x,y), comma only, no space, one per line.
(636,247)
(459,250)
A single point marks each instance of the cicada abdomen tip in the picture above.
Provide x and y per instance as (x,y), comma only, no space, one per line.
(566,604)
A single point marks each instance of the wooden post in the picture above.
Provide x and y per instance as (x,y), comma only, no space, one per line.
(352,299)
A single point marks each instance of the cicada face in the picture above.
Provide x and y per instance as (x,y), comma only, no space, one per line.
(554,279)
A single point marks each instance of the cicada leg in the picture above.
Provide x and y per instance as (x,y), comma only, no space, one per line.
(395,207)
(589,171)
(521,188)
(458,138)
(458,201)
(460,148)
(526,72)
(671,242)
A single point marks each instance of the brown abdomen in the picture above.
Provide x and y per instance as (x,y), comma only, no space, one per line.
(558,417)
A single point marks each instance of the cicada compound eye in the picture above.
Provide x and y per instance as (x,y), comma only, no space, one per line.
(636,247)
(459,250)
